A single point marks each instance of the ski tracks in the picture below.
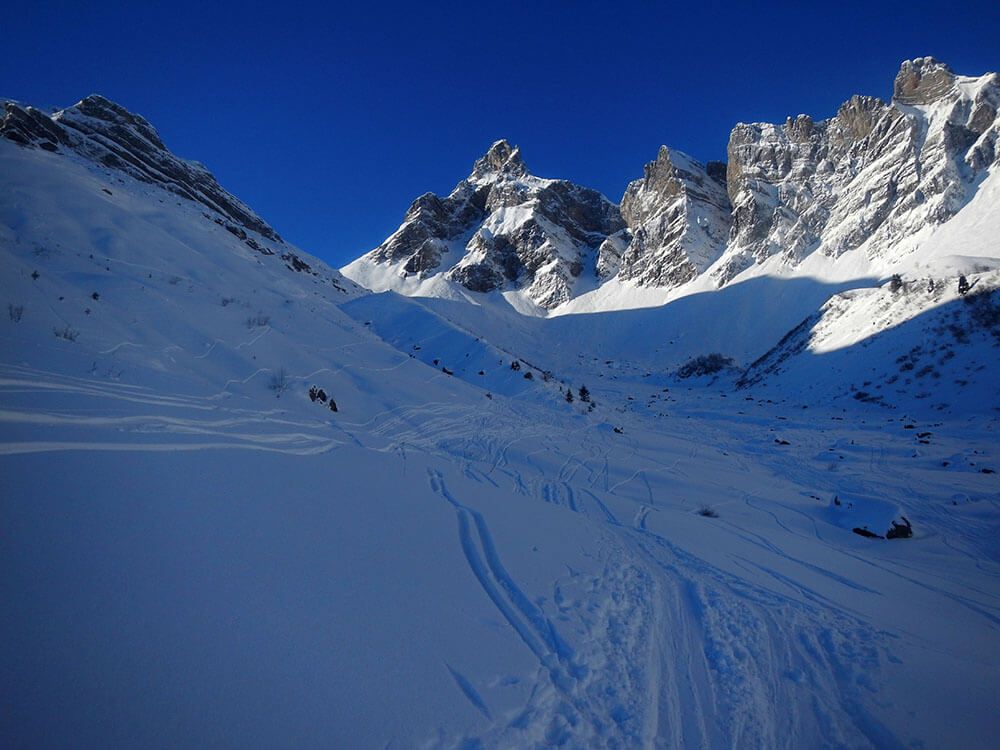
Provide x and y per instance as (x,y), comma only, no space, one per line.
(63,413)
(593,695)
(736,651)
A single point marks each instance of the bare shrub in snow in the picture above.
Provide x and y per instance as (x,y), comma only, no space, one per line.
(258,321)
(16,312)
(278,382)
(705,364)
(984,309)
(707,512)
(66,332)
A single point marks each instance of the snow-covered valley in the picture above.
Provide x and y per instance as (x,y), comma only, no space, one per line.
(443,548)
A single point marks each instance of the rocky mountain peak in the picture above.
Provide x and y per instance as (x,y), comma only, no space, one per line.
(923,80)
(500,229)
(99,108)
(857,117)
(666,175)
(800,128)
(662,170)
(501,159)
(112,137)
(677,218)
(871,176)
(860,182)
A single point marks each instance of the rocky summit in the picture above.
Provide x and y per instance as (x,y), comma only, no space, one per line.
(869,177)
(500,228)
(857,188)
(678,223)
(106,136)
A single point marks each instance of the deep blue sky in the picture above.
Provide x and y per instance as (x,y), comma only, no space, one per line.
(329,118)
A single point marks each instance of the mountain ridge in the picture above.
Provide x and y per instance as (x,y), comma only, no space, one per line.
(105,135)
(512,228)
(861,185)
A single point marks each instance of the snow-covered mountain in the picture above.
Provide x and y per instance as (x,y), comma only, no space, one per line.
(500,228)
(865,180)
(103,134)
(247,503)
(855,196)
(678,223)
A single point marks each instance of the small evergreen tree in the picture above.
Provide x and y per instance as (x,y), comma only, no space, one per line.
(963,285)
(584,394)
(569,395)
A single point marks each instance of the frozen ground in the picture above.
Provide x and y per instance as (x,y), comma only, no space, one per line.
(195,553)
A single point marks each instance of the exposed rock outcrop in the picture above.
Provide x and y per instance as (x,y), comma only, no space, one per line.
(922,81)
(864,180)
(870,176)
(108,134)
(678,223)
(503,228)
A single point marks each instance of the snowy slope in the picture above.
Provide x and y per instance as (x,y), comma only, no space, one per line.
(920,339)
(196,553)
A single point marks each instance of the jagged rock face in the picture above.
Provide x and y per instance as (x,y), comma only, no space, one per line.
(872,175)
(109,136)
(864,180)
(501,162)
(29,127)
(113,137)
(427,227)
(507,230)
(922,81)
(678,223)
(537,235)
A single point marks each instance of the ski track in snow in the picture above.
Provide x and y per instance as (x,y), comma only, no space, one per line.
(233,428)
(580,696)
(743,649)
